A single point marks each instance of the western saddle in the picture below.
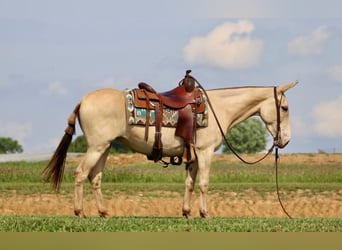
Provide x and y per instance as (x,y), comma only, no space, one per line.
(187,100)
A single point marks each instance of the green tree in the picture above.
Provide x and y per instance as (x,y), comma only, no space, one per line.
(249,136)
(118,147)
(8,146)
(79,145)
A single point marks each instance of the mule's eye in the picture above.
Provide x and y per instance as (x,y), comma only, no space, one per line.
(285,108)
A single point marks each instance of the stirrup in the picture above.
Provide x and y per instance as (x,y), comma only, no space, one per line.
(189,155)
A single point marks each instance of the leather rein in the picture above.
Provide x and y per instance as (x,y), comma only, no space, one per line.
(274,145)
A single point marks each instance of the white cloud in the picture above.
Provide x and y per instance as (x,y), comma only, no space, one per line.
(311,44)
(336,73)
(328,118)
(229,46)
(16,130)
(56,88)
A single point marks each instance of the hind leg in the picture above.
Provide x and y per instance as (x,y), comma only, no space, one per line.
(89,162)
(95,177)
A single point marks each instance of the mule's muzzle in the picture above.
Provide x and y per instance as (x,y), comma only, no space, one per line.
(280,144)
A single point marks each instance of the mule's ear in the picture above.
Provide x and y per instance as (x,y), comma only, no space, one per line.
(284,87)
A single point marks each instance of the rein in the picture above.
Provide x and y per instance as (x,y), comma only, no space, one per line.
(275,140)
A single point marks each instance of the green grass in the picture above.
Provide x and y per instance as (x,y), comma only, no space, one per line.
(221,172)
(25,178)
(238,172)
(165,224)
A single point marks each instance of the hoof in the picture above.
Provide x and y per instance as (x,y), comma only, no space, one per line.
(80,214)
(204,214)
(104,214)
(186,213)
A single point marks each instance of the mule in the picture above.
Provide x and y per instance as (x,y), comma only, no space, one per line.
(102,118)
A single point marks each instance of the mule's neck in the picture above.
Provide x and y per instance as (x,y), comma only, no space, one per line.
(238,104)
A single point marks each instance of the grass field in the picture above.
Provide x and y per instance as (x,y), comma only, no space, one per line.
(310,175)
(166,224)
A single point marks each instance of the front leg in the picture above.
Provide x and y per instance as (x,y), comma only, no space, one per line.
(203,185)
(204,164)
(191,172)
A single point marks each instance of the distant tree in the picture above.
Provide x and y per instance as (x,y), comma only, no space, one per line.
(79,145)
(249,136)
(119,148)
(9,145)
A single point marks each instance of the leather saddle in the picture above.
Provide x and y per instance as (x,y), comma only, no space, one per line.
(176,98)
(187,103)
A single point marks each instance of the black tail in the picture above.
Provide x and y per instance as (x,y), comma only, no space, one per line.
(53,172)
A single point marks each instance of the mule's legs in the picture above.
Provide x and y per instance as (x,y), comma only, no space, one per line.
(90,161)
(204,164)
(203,186)
(95,177)
(191,172)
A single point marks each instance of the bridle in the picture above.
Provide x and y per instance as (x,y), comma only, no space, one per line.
(278,107)
(275,141)
(274,145)
(229,145)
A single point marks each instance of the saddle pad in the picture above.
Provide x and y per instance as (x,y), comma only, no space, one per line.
(137,115)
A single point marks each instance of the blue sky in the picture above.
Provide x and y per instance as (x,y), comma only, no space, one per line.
(54,52)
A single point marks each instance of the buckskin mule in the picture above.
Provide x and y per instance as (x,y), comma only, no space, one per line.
(102,117)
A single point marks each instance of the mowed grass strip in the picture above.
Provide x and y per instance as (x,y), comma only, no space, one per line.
(165,224)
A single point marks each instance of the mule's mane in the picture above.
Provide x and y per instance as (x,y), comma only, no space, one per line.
(239,102)
(241,87)
(243,90)
(256,92)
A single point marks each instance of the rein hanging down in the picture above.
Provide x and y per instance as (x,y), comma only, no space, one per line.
(275,139)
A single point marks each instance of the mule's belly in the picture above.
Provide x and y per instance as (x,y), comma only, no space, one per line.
(134,139)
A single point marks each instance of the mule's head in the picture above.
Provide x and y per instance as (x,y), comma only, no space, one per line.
(275,113)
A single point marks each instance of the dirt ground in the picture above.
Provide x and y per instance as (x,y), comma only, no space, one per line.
(299,203)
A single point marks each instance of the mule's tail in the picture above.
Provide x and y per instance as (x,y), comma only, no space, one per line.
(53,172)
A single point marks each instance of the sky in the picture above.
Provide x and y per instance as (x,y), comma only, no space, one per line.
(54,52)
